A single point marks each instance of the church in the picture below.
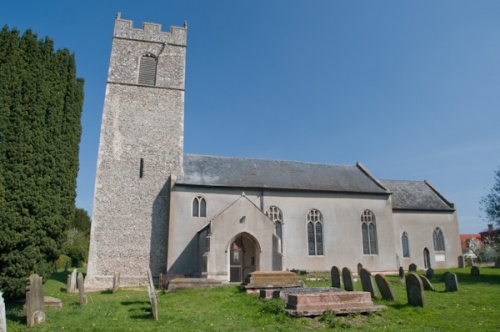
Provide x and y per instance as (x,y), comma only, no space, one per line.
(179,214)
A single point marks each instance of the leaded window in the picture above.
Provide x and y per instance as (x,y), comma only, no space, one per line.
(438,240)
(369,231)
(147,70)
(199,207)
(274,213)
(405,245)
(315,232)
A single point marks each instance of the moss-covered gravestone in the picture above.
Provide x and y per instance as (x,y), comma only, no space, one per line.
(347,279)
(35,313)
(335,275)
(414,290)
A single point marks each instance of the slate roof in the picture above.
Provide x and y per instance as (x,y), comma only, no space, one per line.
(416,195)
(276,174)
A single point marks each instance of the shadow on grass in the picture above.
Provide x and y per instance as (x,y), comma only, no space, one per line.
(134,302)
(60,276)
(15,313)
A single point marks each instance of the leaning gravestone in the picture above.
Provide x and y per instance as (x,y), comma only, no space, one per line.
(429,273)
(34,300)
(426,283)
(451,282)
(116,281)
(335,274)
(347,279)
(384,287)
(3,320)
(81,290)
(367,282)
(414,290)
(152,296)
(474,271)
(461,261)
(412,267)
(401,274)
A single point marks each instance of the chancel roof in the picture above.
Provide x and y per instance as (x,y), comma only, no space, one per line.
(416,195)
(277,174)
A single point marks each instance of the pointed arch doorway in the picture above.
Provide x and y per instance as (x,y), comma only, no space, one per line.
(244,257)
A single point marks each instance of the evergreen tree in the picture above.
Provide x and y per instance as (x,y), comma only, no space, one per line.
(40,108)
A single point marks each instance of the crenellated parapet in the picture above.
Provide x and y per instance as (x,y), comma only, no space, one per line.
(150,32)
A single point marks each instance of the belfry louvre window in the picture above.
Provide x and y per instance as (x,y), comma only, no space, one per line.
(147,70)
(315,232)
(369,231)
(438,238)
(199,207)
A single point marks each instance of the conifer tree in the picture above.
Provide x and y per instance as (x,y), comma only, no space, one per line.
(40,108)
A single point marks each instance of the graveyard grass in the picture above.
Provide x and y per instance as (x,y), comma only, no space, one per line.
(474,306)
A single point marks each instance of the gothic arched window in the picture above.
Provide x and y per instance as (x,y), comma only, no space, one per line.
(438,238)
(405,245)
(315,232)
(274,213)
(369,230)
(199,207)
(147,70)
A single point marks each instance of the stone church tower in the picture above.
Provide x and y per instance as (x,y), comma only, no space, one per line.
(141,146)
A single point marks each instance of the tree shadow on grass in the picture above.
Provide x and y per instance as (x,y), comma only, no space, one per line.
(133,302)
(60,276)
(15,313)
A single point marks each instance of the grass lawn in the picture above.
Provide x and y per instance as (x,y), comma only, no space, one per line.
(476,306)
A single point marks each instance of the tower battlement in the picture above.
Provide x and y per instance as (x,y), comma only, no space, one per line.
(150,32)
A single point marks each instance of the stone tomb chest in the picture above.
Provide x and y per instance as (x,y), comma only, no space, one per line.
(272,280)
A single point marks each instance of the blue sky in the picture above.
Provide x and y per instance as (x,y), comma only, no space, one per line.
(411,89)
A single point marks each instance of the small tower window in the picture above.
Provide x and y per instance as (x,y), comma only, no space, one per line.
(147,70)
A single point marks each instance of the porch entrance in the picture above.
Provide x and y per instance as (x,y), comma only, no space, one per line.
(243,257)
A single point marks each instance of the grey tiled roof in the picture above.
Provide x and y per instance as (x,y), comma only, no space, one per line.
(416,195)
(276,174)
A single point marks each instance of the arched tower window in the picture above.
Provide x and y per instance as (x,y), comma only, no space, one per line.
(405,245)
(369,230)
(147,70)
(438,238)
(199,207)
(315,232)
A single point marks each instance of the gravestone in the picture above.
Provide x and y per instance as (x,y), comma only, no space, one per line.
(461,261)
(359,266)
(72,282)
(3,319)
(116,281)
(347,279)
(426,283)
(412,267)
(451,282)
(429,273)
(152,296)
(52,302)
(445,274)
(414,290)
(384,287)
(34,300)
(401,274)
(474,271)
(81,290)
(367,282)
(335,274)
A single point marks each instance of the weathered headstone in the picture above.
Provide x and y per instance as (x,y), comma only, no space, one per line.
(426,283)
(81,290)
(445,274)
(474,271)
(152,296)
(401,274)
(451,282)
(429,273)
(414,290)
(359,266)
(72,282)
(367,282)
(461,261)
(116,281)
(3,319)
(384,287)
(34,300)
(412,267)
(347,279)
(335,274)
